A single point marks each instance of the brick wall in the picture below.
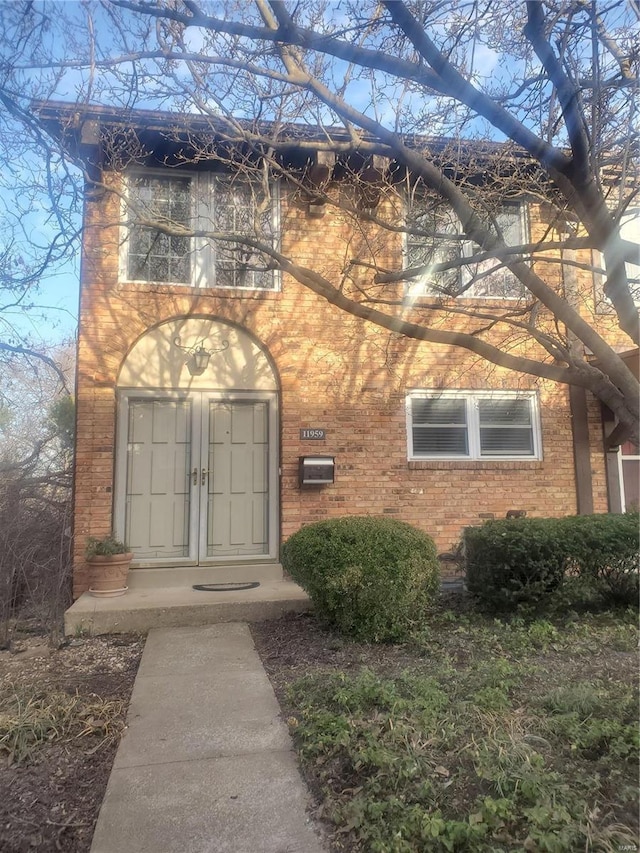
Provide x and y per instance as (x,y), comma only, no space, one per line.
(336,372)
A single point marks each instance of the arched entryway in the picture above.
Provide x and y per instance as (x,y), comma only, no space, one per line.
(197,452)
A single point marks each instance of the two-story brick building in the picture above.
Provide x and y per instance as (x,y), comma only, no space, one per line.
(205,376)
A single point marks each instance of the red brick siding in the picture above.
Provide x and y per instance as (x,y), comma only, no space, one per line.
(336,372)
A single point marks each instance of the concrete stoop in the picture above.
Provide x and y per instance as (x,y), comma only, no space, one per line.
(165,598)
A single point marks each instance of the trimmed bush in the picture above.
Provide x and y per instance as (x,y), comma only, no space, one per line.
(369,577)
(513,561)
(524,561)
(603,550)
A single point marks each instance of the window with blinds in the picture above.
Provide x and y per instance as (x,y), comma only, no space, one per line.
(473,425)
(505,427)
(168,216)
(440,427)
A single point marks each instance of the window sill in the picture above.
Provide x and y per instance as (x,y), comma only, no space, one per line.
(606,308)
(220,292)
(426,300)
(474,464)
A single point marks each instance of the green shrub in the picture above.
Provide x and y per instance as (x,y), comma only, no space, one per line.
(528,561)
(513,561)
(369,577)
(603,550)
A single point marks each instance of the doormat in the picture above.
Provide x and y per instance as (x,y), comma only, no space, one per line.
(225,587)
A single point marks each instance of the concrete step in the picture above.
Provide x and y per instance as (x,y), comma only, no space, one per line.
(186,576)
(141,609)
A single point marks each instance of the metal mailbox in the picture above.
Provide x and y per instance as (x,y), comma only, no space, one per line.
(317,470)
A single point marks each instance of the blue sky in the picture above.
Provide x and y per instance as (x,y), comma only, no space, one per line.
(58,317)
(52,308)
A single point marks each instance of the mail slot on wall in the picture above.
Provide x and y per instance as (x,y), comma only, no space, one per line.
(316,470)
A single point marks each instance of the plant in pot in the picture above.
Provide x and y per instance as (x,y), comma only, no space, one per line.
(108,559)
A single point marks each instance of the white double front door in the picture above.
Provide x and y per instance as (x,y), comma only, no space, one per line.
(196,476)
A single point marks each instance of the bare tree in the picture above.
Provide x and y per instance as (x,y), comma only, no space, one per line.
(436,113)
(37,424)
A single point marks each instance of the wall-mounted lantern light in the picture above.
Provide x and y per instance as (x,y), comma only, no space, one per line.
(198,356)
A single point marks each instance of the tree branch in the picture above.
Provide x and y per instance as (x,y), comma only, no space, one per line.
(31,353)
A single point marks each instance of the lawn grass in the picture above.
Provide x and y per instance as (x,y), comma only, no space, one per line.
(481,736)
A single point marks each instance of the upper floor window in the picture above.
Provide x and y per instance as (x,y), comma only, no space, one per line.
(154,254)
(629,461)
(241,208)
(630,231)
(435,238)
(169,217)
(473,425)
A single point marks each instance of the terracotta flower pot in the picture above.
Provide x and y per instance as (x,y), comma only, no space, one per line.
(108,575)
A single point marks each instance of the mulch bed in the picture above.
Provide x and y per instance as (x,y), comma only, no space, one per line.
(51,801)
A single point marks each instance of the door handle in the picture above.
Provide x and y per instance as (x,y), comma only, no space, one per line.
(203,479)
(194,474)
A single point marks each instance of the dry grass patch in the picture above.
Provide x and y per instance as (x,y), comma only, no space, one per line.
(30,719)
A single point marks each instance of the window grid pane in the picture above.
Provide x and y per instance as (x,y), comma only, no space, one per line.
(506,412)
(154,255)
(630,448)
(506,441)
(236,211)
(493,279)
(445,441)
(438,410)
(427,251)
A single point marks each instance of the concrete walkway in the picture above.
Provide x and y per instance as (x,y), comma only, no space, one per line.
(206,764)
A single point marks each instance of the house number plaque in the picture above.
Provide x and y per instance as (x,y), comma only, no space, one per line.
(313,434)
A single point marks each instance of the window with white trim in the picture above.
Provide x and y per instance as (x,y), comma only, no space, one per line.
(629,462)
(168,215)
(435,237)
(630,231)
(473,425)
(153,254)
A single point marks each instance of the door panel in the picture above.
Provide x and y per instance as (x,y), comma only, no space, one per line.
(157,501)
(237,491)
